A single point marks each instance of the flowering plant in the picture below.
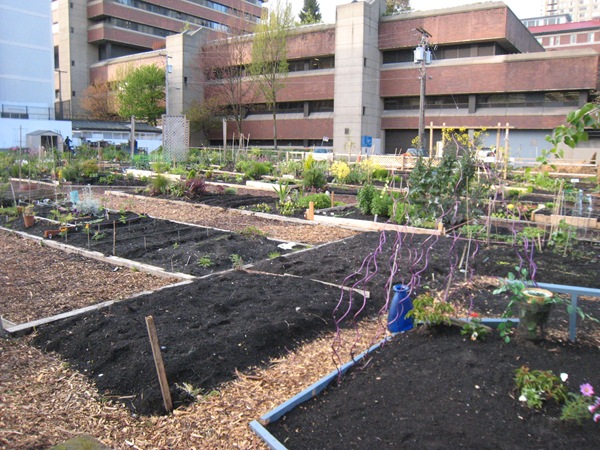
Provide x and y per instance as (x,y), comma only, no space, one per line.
(588,391)
(582,406)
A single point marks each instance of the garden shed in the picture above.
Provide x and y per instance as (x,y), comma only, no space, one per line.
(44,138)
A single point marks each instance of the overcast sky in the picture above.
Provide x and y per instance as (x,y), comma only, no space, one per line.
(522,8)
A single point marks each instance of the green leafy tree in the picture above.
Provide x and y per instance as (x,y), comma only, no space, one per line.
(142,94)
(572,132)
(310,12)
(269,65)
(396,6)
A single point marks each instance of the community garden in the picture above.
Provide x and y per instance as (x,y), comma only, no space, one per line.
(254,298)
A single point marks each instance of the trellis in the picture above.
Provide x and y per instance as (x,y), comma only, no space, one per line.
(176,137)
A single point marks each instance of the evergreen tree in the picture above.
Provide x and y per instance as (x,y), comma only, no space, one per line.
(310,12)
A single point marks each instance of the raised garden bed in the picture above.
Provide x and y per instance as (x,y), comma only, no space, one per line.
(207,329)
(437,389)
(172,246)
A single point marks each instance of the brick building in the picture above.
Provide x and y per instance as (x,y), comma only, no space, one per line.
(88,32)
(357,78)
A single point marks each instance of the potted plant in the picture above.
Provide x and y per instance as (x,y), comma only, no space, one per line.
(532,305)
(28,217)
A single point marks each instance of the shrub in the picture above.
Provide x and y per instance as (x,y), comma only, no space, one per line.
(257,169)
(381,203)
(365,198)
(380,174)
(89,168)
(340,170)
(357,175)
(321,201)
(314,178)
(158,185)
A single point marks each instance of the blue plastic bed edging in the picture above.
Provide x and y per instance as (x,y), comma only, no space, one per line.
(305,395)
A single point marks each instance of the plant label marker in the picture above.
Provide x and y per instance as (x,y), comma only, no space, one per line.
(158,362)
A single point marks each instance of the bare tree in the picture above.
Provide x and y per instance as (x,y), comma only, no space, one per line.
(205,116)
(269,65)
(225,63)
(99,102)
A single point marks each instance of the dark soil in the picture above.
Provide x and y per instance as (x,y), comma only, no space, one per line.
(439,390)
(207,330)
(175,247)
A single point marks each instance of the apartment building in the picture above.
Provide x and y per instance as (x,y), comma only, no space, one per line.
(579,10)
(26,73)
(88,31)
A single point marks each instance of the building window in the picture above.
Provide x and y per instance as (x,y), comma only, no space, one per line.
(528,100)
(432,102)
(72,63)
(590,37)
(573,39)
(73,94)
(72,30)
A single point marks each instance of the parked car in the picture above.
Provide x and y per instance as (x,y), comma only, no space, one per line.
(322,154)
(416,152)
(486,156)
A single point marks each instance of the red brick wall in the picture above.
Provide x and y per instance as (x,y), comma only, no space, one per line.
(465,76)
(288,129)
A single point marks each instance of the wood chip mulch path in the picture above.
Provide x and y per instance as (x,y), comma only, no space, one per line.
(44,402)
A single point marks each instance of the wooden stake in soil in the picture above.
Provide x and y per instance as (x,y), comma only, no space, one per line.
(158,362)
(310,214)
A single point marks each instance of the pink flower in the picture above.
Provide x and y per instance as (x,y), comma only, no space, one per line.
(596,417)
(587,390)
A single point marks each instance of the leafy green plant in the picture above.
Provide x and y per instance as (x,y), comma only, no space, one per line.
(257,169)
(98,236)
(314,178)
(475,330)
(380,173)
(321,201)
(189,390)
(273,255)
(205,261)
(158,185)
(562,238)
(537,386)
(236,261)
(230,191)
(577,409)
(194,188)
(381,203)
(283,191)
(431,312)
(364,197)
(251,231)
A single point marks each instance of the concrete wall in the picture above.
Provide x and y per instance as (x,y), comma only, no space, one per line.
(26,54)
(357,106)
